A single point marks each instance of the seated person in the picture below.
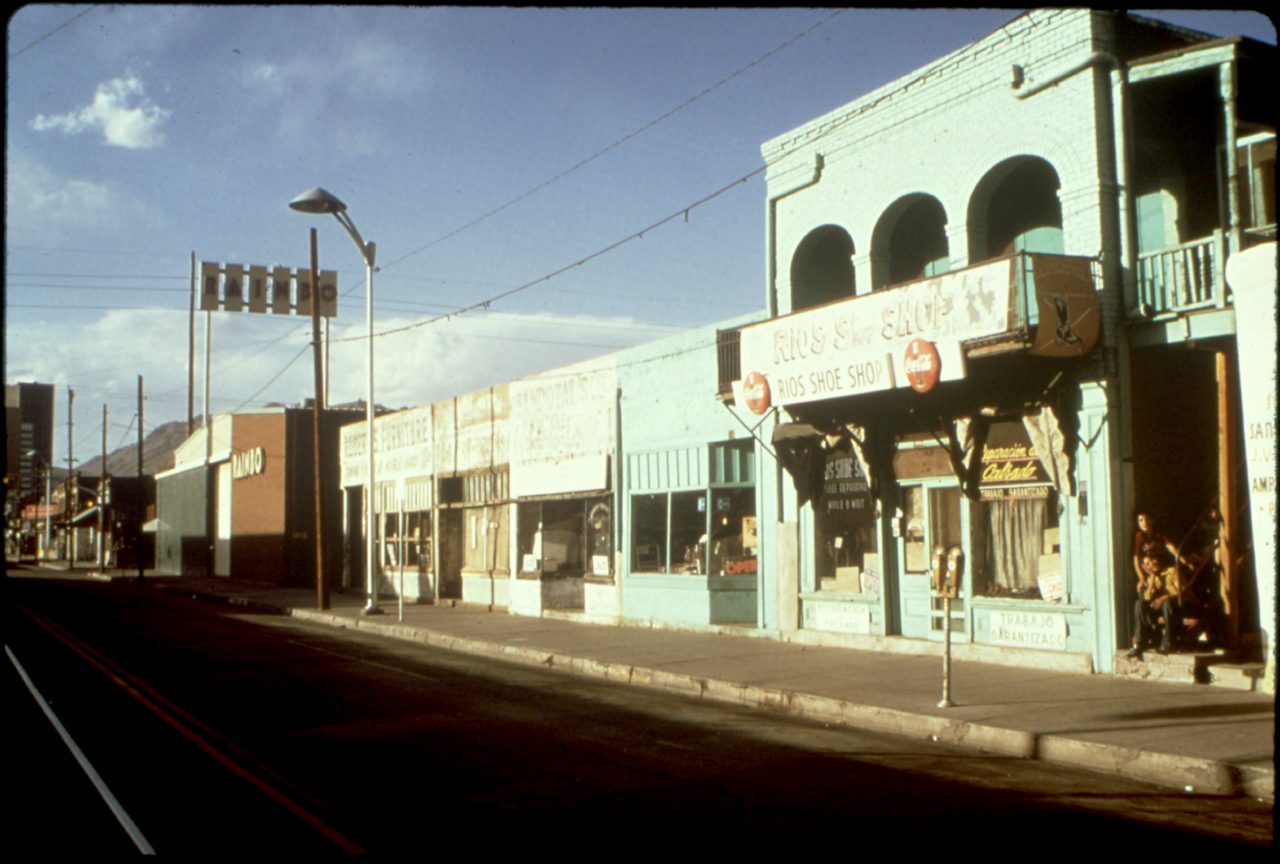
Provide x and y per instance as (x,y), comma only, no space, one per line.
(1157,607)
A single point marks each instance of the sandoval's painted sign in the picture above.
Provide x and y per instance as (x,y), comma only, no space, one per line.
(860,345)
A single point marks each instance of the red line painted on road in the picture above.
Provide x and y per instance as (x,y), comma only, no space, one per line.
(188,726)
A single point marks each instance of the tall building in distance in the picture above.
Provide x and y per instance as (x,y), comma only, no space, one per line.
(28,422)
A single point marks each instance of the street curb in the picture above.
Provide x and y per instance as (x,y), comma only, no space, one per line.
(1186,773)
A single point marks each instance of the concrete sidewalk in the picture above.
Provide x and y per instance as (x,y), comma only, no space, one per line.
(1192,737)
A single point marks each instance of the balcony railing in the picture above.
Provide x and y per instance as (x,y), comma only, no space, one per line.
(1183,279)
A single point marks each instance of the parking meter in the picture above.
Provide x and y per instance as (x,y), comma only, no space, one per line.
(938,568)
(954,573)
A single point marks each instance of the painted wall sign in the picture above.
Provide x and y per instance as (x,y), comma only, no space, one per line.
(859,345)
(837,617)
(562,429)
(402,447)
(248,463)
(755,388)
(922,365)
(1029,630)
(1252,276)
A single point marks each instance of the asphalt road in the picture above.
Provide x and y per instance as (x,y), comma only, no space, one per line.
(220,730)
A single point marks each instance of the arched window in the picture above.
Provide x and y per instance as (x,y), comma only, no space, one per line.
(910,241)
(1016,209)
(822,268)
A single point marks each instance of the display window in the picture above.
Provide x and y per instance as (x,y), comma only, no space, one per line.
(695,533)
(410,546)
(1017,546)
(847,558)
(566,537)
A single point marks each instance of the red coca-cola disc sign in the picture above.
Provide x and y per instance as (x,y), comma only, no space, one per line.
(923,365)
(755,387)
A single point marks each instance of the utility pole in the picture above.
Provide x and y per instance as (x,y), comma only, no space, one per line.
(69,499)
(102,497)
(191,351)
(142,517)
(322,589)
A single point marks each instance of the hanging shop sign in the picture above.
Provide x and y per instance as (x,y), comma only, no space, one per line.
(1011,466)
(1068,306)
(755,388)
(860,345)
(922,365)
(232,288)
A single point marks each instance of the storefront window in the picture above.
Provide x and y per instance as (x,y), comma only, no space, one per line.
(733,532)
(569,537)
(847,556)
(649,533)
(410,547)
(688,532)
(1017,542)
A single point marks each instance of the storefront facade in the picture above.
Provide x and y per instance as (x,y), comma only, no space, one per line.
(241,502)
(473,515)
(563,428)
(403,505)
(692,487)
(949,357)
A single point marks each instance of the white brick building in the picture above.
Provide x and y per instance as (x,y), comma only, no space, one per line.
(1070,148)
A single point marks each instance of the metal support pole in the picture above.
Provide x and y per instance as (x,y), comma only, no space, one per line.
(141,498)
(191,351)
(371,528)
(69,499)
(946,653)
(102,494)
(401,526)
(322,589)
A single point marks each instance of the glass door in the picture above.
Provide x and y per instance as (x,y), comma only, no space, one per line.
(932,515)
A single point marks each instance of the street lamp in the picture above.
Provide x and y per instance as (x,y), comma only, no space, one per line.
(320,201)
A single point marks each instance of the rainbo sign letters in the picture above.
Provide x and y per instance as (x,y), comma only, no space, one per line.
(231,288)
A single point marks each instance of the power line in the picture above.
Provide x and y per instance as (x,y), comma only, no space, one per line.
(64,24)
(484,304)
(645,128)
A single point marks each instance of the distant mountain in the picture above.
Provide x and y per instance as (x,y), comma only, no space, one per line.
(158,447)
(157,453)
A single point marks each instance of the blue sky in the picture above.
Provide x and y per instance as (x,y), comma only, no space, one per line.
(137,135)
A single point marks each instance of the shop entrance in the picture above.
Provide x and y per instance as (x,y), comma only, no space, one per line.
(451,549)
(933,515)
(1188,465)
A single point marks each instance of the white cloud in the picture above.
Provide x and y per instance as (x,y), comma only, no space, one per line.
(41,203)
(120,110)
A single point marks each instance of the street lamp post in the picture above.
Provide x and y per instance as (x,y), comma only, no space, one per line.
(319,201)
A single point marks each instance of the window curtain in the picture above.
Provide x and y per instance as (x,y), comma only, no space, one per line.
(1014,537)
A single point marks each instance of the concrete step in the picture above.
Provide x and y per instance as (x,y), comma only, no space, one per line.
(1219,668)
